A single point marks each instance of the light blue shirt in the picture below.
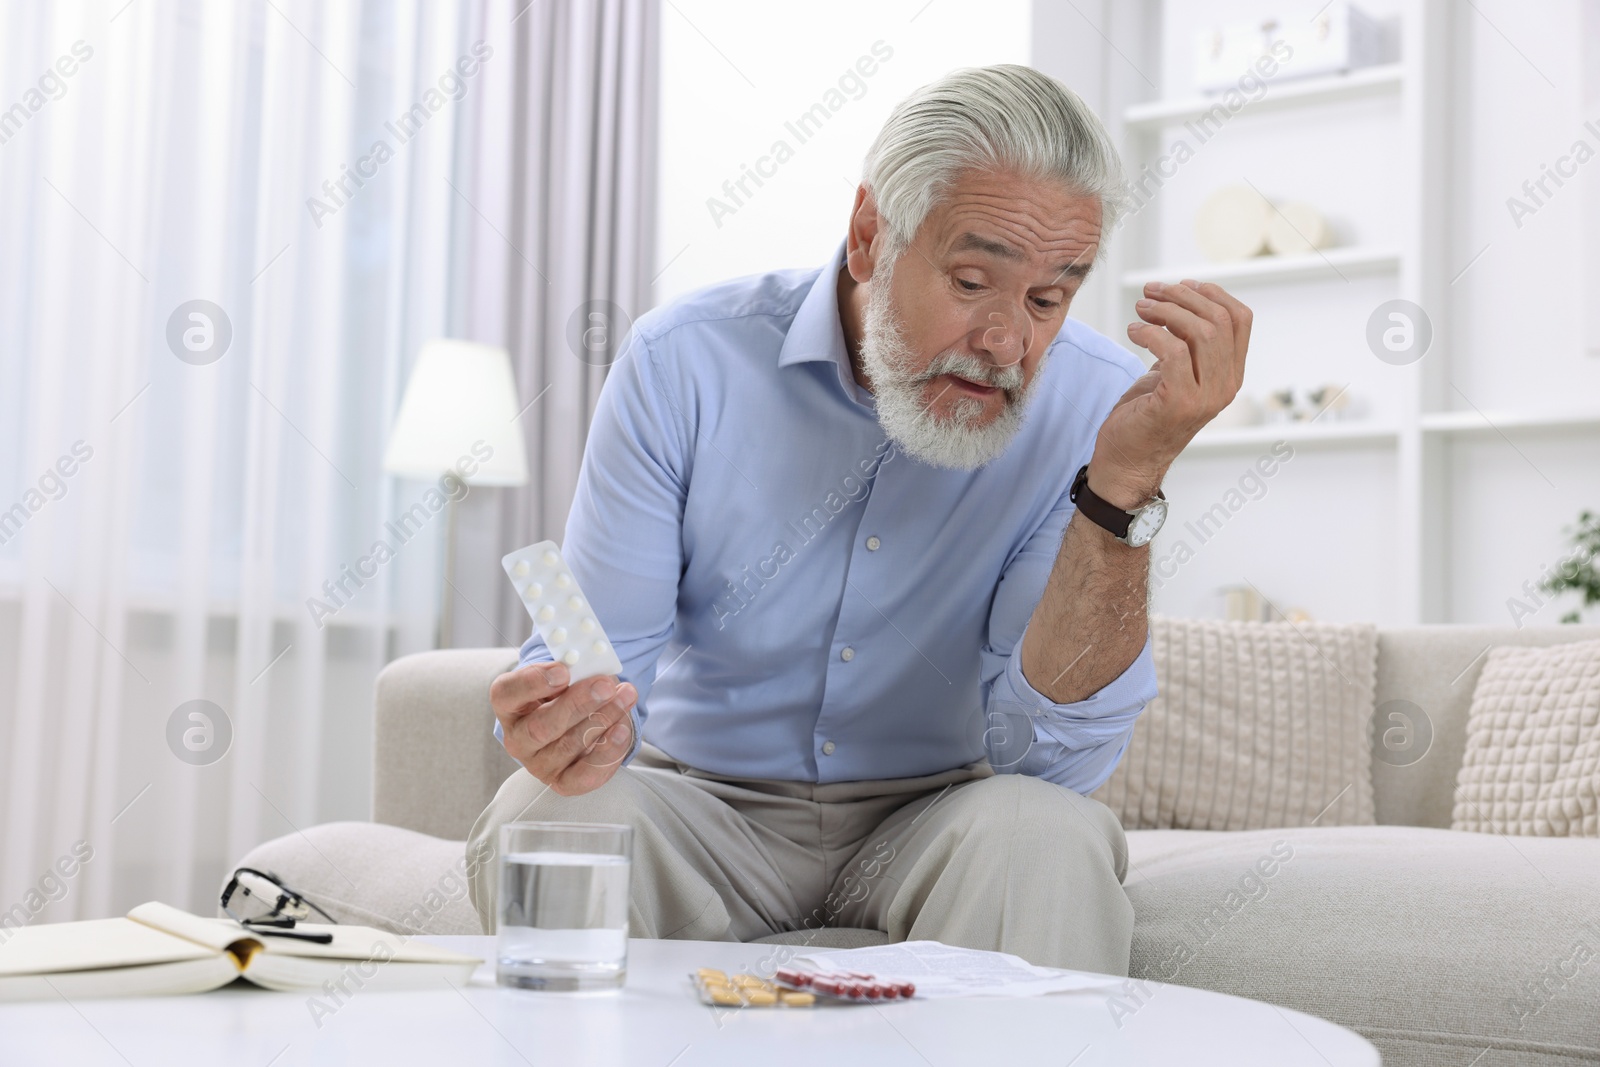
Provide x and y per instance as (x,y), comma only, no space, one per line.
(795,598)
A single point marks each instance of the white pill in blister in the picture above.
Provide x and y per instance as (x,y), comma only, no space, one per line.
(562,616)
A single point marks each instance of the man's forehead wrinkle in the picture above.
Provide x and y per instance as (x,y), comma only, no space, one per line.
(968,240)
(1018,229)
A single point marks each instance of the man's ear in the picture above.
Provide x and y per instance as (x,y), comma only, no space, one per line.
(864,239)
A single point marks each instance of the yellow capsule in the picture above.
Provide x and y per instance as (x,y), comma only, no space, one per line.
(725,997)
(760,998)
(747,979)
(796,999)
(711,972)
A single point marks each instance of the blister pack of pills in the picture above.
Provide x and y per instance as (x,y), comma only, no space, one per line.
(789,988)
(846,985)
(560,611)
(719,990)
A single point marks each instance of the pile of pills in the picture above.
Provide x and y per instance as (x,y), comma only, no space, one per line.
(847,985)
(746,991)
(561,613)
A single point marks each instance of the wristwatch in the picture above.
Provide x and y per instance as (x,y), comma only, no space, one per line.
(1134,528)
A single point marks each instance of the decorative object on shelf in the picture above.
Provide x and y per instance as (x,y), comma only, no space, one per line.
(1339,39)
(1223,53)
(1329,402)
(1579,570)
(1236,222)
(1232,224)
(1296,228)
(1280,406)
(1243,411)
(1332,399)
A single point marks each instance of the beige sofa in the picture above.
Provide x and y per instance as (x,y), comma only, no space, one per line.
(1443,948)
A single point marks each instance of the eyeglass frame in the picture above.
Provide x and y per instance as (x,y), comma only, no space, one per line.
(280,920)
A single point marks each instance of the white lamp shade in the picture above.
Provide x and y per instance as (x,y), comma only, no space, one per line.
(460,394)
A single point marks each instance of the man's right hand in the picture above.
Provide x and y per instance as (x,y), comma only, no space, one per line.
(573,739)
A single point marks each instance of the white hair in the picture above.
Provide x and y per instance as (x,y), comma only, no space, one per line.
(1005,117)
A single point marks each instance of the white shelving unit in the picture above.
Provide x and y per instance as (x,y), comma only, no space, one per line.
(1370,81)
(1298,434)
(1408,503)
(1329,264)
(1407,261)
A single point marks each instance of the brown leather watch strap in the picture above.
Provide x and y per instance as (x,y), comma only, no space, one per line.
(1105,515)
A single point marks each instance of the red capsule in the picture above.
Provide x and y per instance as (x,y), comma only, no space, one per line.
(795,978)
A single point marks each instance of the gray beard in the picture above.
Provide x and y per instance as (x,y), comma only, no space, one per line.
(960,441)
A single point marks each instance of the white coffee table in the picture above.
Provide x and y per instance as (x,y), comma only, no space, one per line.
(655,1022)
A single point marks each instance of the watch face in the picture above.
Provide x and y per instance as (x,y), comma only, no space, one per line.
(1147,521)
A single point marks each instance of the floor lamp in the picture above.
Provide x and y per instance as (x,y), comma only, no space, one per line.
(460,402)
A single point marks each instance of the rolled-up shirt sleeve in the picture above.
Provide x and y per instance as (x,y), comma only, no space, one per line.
(1076,745)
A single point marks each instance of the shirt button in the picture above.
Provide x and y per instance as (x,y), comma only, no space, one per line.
(847,653)
(873,544)
(827,748)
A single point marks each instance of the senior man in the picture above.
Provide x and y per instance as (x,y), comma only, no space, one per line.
(870,543)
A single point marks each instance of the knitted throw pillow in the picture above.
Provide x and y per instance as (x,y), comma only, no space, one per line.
(1532,764)
(1257,725)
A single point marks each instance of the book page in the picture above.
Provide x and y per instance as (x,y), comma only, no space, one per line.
(91,945)
(106,958)
(349,942)
(211,971)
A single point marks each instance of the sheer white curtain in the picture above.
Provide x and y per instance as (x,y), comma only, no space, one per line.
(164,520)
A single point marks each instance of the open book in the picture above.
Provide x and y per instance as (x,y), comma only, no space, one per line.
(159,949)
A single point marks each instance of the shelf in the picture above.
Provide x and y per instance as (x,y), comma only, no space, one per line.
(1331,263)
(1366,82)
(1264,436)
(1494,422)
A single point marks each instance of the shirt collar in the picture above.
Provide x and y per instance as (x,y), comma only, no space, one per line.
(817,336)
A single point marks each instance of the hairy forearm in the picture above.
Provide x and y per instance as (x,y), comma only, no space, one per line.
(1091,622)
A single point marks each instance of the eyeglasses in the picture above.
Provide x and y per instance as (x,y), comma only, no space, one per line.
(261,903)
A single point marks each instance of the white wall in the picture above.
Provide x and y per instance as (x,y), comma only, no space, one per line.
(733,73)
(1519,315)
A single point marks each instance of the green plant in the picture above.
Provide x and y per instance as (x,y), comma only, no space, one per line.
(1579,572)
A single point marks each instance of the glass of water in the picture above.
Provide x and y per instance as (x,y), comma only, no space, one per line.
(564,905)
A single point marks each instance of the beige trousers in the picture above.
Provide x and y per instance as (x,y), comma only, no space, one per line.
(966,857)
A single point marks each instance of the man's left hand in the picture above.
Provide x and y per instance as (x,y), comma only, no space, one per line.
(1198,335)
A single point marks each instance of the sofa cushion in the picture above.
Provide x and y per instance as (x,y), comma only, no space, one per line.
(1532,764)
(1434,944)
(375,875)
(1256,725)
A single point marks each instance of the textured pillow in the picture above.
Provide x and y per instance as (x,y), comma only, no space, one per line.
(1258,725)
(1532,764)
